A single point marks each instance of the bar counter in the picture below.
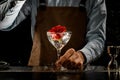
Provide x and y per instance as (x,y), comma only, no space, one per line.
(49,73)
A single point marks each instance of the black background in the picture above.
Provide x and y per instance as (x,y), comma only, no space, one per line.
(112,30)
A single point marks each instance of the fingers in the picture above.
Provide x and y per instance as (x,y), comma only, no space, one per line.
(63,58)
(73,57)
(71,60)
(68,53)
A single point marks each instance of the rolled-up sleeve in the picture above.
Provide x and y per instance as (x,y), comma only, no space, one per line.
(96,30)
(11,16)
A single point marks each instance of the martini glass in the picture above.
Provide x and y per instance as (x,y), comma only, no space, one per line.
(59,40)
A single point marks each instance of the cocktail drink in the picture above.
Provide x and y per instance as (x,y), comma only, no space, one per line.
(59,37)
(59,40)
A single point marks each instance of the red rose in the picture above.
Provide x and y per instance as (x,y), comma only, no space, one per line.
(56,36)
(57,31)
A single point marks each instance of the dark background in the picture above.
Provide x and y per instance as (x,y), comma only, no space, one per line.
(113,22)
(16,44)
(113,30)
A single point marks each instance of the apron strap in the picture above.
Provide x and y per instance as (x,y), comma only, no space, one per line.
(42,5)
(82,3)
(42,2)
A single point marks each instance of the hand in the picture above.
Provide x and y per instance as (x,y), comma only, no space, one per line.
(71,60)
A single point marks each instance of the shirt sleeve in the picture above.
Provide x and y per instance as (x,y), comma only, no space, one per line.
(4,6)
(96,29)
(11,15)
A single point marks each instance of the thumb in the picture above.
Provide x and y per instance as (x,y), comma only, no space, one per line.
(63,58)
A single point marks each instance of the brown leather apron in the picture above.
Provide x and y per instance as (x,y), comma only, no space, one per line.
(73,18)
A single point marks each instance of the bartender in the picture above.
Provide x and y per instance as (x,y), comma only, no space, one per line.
(87,21)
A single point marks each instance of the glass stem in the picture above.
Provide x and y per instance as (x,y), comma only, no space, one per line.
(58,53)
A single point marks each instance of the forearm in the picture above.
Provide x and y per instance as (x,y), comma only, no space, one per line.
(96,34)
(92,50)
